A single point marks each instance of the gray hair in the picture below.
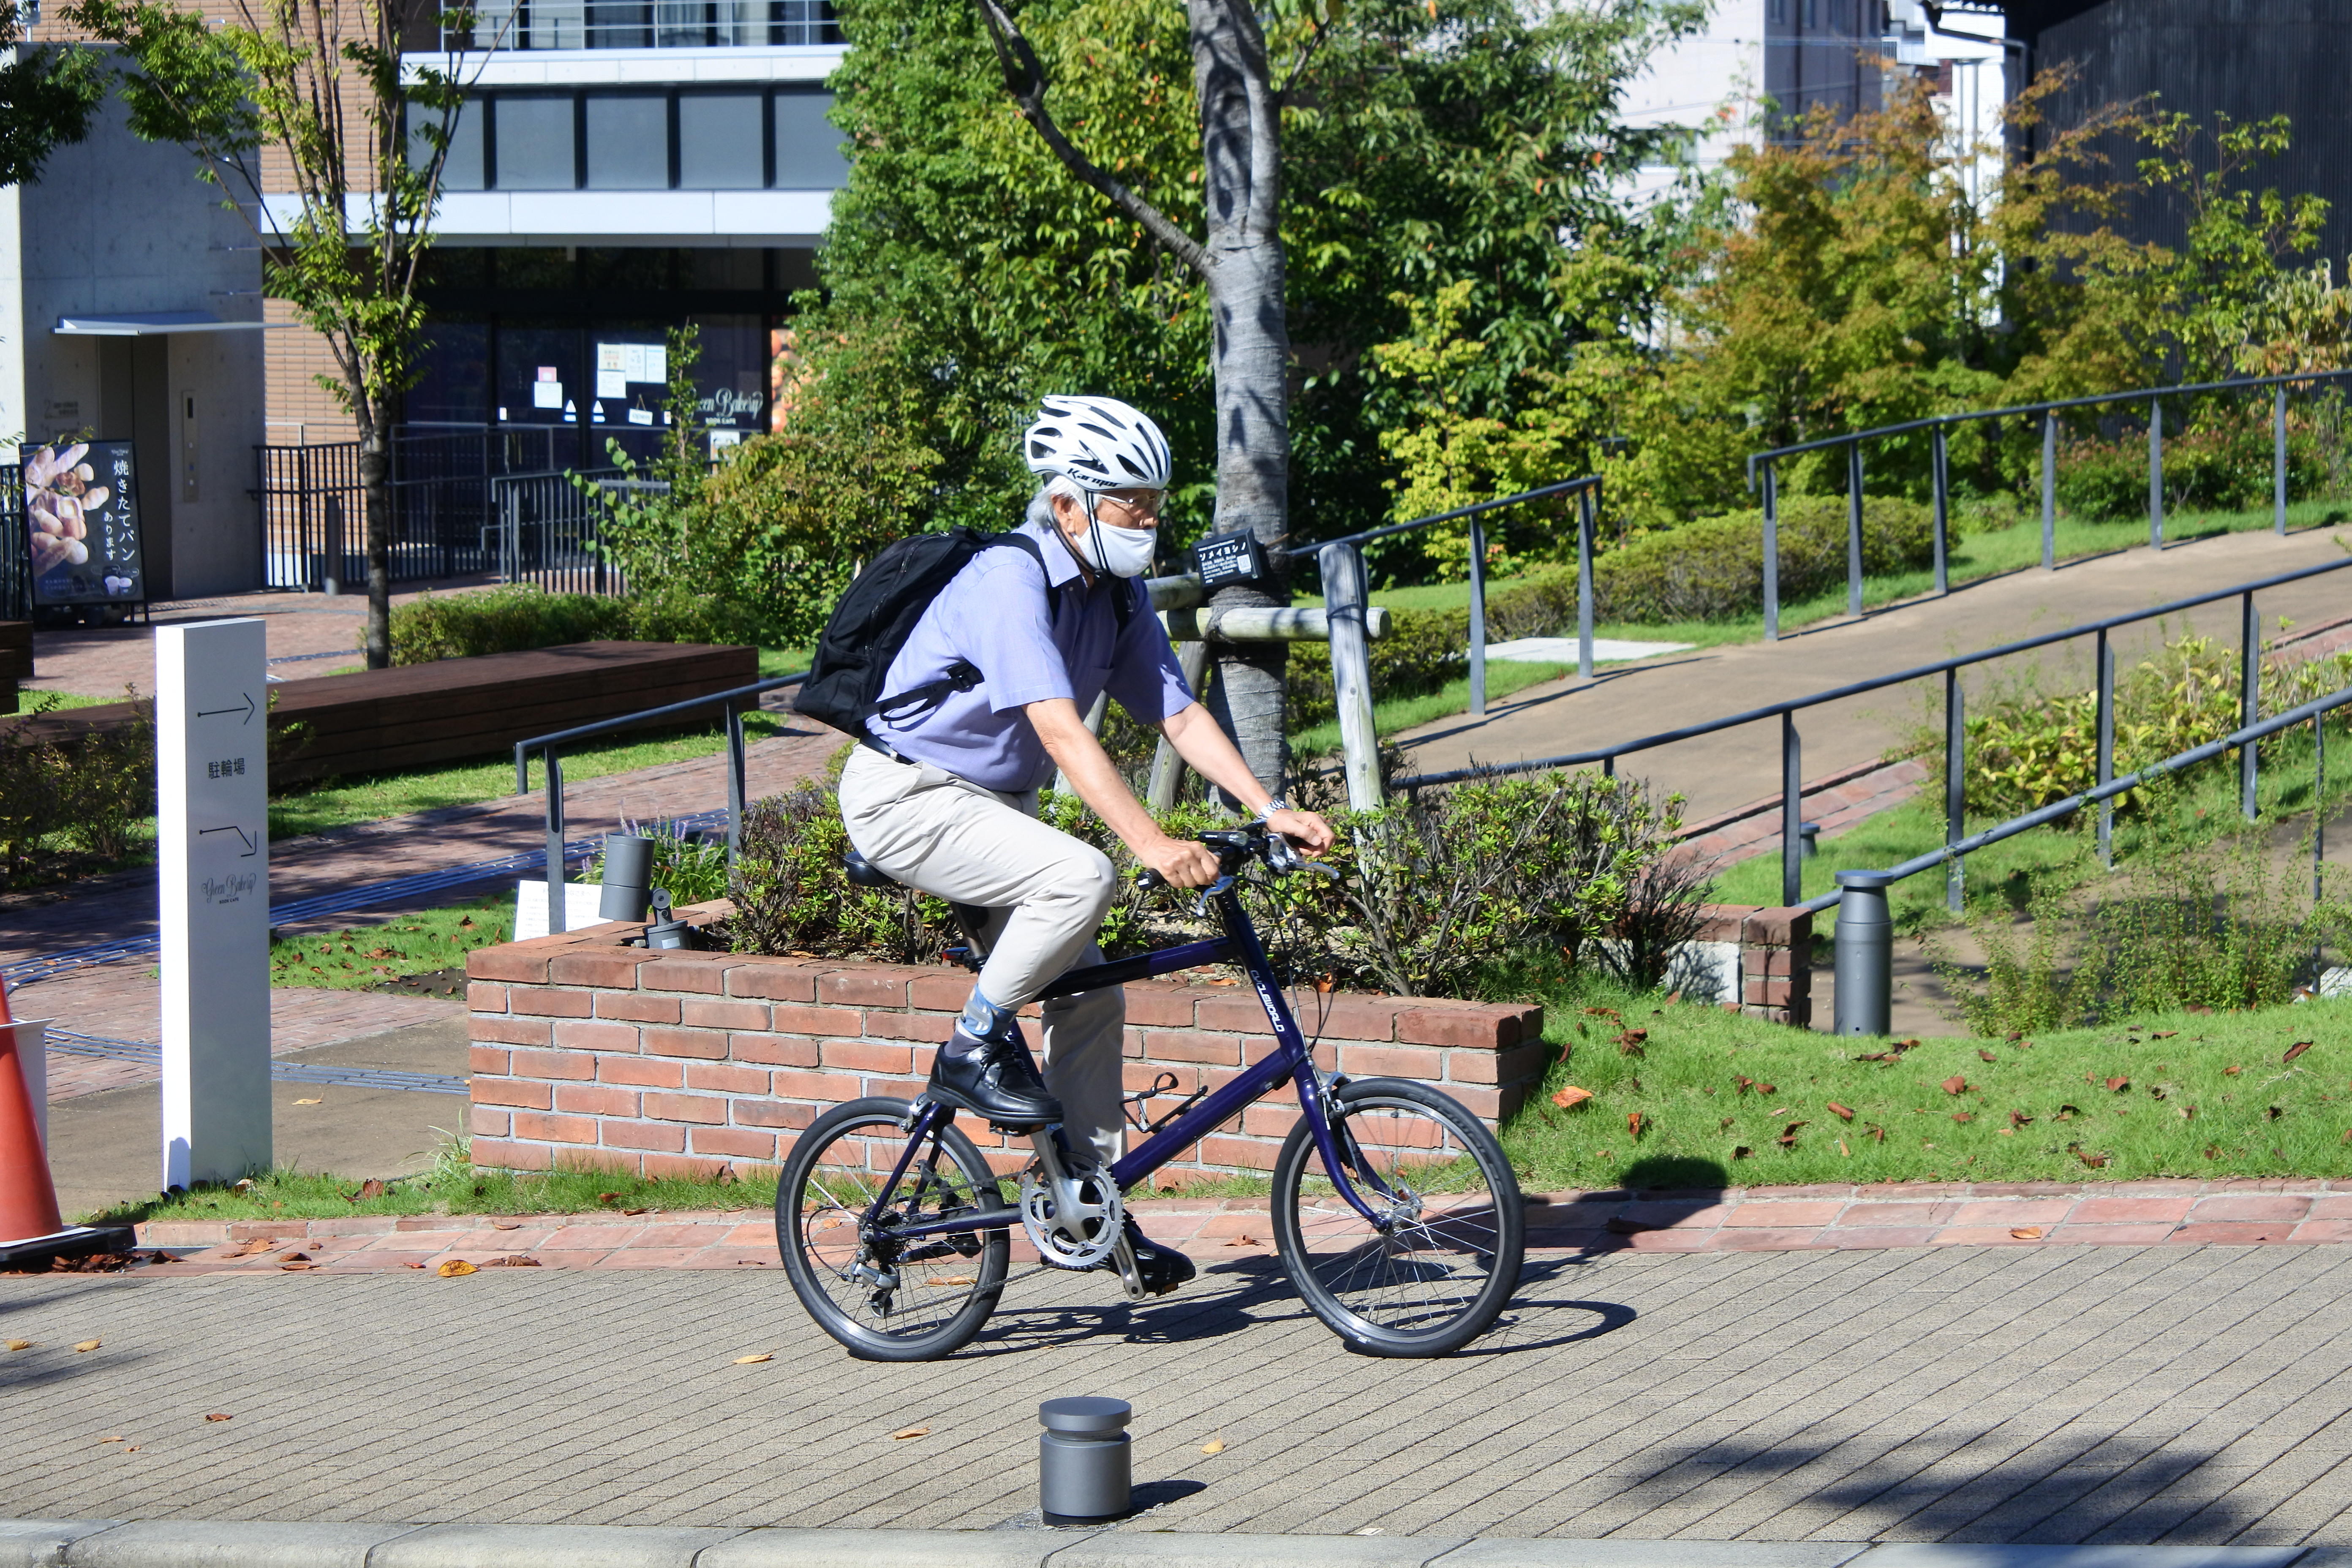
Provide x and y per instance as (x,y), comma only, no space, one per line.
(1041,505)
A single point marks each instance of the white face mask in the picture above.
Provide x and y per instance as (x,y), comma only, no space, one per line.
(1121,552)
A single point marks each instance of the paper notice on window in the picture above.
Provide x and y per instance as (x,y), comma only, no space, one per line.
(654,363)
(641,416)
(610,383)
(547,394)
(613,357)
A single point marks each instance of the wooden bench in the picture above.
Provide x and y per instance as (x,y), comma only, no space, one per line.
(416,715)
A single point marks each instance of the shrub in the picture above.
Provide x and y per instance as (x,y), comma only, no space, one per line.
(515,617)
(688,865)
(2225,467)
(1439,893)
(2029,750)
(73,801)
(1440,896)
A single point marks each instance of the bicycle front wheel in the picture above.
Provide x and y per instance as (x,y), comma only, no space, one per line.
(888,1300)
(1438,1271)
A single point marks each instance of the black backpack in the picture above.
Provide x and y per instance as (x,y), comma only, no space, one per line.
(878,613)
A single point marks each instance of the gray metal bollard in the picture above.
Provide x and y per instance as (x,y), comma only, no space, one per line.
(1865,955)
(1809,838)
(628,873)
(1083,1473)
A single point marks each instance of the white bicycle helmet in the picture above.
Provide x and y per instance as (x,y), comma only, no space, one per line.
(1097,444)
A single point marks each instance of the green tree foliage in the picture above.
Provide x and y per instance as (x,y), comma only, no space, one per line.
(47,97)
(318,86)
(1423,145)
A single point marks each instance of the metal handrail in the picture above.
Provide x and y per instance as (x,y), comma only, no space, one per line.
(549,747)
(1955,739)
(1940,474)
(1344,601)
(1864,934)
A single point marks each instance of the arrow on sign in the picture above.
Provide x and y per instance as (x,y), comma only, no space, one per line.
(250,845)
(215,713)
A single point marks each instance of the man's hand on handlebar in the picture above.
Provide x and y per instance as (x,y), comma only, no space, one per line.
(1304,828)
(1183,862)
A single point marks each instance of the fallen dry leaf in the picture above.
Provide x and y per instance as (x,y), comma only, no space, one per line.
(2199,1008)
(1214,1445)
(1987,1056)
(310,1102)
(304,1267)
(754,1360)
(454,1268)
(1634,1123)
(512,1260)
(506,1225)
(1742,1153)
(1243,1240)
(2118,1084)
(2188,1112)
(2275,1112)
(950,1279)
(2213,1150)
(903,1433)
(132,1449)
(295,1257)
(2296,1049)
(1741,1083)
(608,1197)
(633,1211)
(1570,1098)
(1875,1134)
(1964,1116)
(2018,1119)
(1839,1111)
(1766,1089)
(220,1415)
(2027,1233)
(109,1439)
(371,1188)
(2164,1034)
(1629,1043)
(20,1344)
(1843,1150)
(2231,1072)
(1956,1084)
(86,1345)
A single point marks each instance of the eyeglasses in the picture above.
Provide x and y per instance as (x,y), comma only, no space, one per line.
(1140,505)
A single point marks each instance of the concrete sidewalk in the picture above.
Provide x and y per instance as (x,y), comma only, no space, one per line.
(1719,772)
(170,1544)
(2195,1396)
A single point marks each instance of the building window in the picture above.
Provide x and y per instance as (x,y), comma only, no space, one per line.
(628,142)
(721,140)
(808,148)
(533,142)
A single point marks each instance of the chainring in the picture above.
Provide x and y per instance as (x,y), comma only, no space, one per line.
(1077,1234)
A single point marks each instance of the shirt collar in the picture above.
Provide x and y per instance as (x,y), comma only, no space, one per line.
(1054,547)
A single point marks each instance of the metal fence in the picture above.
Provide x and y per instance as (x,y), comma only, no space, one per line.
(642,24)
(449,517)
(16,553)
(1762,468)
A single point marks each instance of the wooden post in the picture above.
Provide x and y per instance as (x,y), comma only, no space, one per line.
(1166,767)
(1351,672)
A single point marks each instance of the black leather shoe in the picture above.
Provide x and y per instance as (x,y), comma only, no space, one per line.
(1161,1268)
(993,1078)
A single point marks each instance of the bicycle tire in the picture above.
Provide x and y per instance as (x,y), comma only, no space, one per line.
(817,1208)
(1456,1272)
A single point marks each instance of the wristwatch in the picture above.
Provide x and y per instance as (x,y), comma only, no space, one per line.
(1275,804)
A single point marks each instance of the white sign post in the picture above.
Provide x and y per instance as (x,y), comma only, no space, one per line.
(212,841)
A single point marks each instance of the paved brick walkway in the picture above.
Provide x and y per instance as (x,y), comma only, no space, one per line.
(2282,1211)
(2185,1395)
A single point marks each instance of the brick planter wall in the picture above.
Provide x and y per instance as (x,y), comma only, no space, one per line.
(1753,958)
(589,1052)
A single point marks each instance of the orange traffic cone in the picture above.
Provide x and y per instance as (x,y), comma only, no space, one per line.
(31,1229)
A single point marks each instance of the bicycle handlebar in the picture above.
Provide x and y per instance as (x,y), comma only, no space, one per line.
(1250,841)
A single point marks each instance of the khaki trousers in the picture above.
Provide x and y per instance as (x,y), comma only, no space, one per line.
(1046,894)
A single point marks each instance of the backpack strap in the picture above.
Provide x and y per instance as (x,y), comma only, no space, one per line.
(963,675)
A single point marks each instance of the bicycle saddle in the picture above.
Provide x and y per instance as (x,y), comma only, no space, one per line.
(863,873)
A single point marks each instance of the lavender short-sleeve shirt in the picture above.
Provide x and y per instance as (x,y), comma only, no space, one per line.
(995,616)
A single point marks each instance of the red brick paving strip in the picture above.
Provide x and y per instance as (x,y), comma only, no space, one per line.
(1770,1219)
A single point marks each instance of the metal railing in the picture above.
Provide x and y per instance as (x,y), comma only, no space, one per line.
(643,24)
(15,548)
(1938,427)
(547,529)
(1345,595)
(731,703)
(1955,728)
(1864,951)
(446,521)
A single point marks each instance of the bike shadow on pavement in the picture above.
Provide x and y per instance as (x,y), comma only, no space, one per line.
(1254,1292)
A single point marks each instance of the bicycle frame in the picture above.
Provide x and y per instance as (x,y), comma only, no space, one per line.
(1290,1060)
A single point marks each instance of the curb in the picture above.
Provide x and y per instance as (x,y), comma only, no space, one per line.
(185,1543)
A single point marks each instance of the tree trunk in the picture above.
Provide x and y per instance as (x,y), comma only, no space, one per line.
(375,489)
(1250,353)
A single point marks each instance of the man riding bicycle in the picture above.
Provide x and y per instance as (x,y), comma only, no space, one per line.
(944,798)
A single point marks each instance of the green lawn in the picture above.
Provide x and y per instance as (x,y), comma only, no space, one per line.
(1730,1100)
(452,1186)
(423,942)
(1397,714)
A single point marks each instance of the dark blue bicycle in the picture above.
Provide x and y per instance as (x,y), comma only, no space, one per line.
(897,1234)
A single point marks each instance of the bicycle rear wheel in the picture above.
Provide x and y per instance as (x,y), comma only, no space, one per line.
(1449,1259)
(889,1301)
